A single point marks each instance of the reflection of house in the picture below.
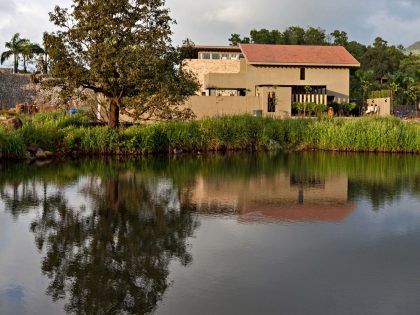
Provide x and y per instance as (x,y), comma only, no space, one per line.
(251,77)
(280,197)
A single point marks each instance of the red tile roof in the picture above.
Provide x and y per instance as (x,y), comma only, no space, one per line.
(297,213)
(298,55)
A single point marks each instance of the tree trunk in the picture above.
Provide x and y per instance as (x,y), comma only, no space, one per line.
(24,64)
(114,113)
(15,64)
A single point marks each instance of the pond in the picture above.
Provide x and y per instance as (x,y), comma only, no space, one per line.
(301,233)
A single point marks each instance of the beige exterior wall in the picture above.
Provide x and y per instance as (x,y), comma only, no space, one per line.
(335,79)
(201,67)
(211,106)
(384,104)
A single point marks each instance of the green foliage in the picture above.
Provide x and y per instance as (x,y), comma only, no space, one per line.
(20,47)
(219,134)
(60,119)
(310,109)
(11,144)
(123,51)
(367,134)
(294,35)
(380,94)
(344,109)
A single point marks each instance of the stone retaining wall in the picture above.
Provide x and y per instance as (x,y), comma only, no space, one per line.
(15,88)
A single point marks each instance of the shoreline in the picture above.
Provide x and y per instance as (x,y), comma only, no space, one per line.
(57,135)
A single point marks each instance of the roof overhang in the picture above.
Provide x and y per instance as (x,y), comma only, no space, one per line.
(304,64)
(208,48)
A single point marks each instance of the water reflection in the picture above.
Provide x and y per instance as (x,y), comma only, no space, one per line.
(280,197)
(108,230)
(111,255)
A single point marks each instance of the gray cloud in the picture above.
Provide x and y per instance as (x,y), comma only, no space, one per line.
(212,22)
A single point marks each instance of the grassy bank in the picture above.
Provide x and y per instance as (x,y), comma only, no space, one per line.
(66,135)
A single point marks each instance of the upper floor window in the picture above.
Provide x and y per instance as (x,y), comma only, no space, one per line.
(302,74)
(223,56)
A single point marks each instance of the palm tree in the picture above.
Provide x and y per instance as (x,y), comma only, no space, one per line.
(15,47)
(28,50)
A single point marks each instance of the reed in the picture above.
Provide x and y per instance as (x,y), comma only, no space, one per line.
(71,134)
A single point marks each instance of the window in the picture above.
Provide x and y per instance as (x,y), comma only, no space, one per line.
(271,102)
(302,74)
(204,56)
(215,56)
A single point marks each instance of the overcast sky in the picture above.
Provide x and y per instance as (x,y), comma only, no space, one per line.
(212,22)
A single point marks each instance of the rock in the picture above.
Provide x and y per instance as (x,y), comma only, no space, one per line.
(42,163)
(32,148)
(49,154)
(12,123)
(40,154)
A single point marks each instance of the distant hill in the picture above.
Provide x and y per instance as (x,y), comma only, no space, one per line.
(415,48)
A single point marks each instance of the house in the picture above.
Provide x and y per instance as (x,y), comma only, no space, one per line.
(266,79)
(280,197)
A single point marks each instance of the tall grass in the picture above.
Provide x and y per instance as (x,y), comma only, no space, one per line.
(11,144)
(70,134)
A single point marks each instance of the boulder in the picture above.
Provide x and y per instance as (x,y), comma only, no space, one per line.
(40,154)
(12,123)
(49,154)
(32,148)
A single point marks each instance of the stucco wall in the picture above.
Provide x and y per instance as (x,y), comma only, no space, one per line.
(200,67)
(385,106)
(211,106)
(335,79)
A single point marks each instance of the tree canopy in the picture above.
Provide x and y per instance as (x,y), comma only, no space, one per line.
(122,50)
(20,47)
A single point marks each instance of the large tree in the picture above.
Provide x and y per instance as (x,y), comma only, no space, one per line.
(121,49)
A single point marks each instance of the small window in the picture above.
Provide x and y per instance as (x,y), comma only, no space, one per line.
(271,102)
(215,56)
(206,56)
(302,74)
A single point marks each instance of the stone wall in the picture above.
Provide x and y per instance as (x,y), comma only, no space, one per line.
(15,88)
(18,88)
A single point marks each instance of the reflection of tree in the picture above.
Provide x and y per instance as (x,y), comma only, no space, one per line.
(20,197)
(113,257)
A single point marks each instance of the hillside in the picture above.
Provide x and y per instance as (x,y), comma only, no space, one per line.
(415,48)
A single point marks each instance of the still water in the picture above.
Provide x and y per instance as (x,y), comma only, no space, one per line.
(307,233)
